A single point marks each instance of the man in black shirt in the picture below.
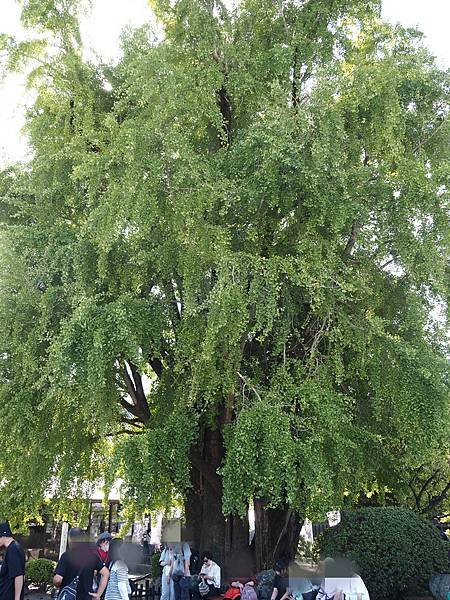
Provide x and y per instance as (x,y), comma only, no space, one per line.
(280,583)
(82,561)
(12,573)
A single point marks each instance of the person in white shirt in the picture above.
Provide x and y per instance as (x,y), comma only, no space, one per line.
(340,579)
(210,573)
(167,584)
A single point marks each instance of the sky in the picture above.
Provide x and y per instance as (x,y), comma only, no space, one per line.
(101,31)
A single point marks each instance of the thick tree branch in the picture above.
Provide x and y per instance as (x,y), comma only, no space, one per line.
(133,422)
(142,403)
(172,302)
(425,485)
(123,432)
(430,136)
(156,365)
(356,226)
(137,383)
(130,385)
(139,406)
(205,469)
(348,251)
(435,500)
(295,98)
(130,408)
(225,109)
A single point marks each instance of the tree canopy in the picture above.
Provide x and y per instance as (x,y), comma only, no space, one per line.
(240,229)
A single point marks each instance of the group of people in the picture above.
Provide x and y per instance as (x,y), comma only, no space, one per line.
(85,572)
(88,572)
(334,579)
(179,582)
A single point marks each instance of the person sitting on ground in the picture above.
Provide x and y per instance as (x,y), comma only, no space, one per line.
(210,573)
(248,591)
(298,587)
(234,591)
(118,585)
(280,583)
(77,566)
(237,587)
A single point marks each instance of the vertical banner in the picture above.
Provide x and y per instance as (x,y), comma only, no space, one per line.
(64,534)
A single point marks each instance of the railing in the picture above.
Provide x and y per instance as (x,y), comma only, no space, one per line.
(145,589)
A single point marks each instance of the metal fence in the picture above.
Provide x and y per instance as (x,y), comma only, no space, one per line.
(146,589)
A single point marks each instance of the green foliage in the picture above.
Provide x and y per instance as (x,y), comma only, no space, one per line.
(428,490)
(393,548)
(39,571)
(308,552)
(241,228)
(155,567)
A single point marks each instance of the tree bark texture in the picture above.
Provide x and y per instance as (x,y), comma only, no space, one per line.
(206,526)
(277,532)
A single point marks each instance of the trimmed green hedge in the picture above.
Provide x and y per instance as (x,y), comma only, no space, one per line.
(39,571)
(393,547)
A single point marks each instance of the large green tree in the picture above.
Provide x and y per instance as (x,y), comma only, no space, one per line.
(225,265)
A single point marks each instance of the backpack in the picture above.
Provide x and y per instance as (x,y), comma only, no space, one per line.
(69,591)
(249,593)
(178,565)
(264,586)
(195,562)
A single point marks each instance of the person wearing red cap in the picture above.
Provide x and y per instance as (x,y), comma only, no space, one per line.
(12,573)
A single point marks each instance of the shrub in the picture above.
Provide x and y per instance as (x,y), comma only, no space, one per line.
(39,571)
(155,567)
(393,547)
(307,552)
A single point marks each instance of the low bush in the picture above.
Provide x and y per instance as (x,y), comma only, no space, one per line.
(155,567)
(394,548)
(39,571)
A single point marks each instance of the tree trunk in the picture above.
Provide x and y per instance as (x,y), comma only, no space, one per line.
(277,532)
(205,523)
(206,526)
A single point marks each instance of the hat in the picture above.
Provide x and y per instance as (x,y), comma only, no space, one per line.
(5,530)
(76,533)
(104,537)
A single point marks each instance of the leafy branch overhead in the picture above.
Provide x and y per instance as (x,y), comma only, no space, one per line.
(240,230)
